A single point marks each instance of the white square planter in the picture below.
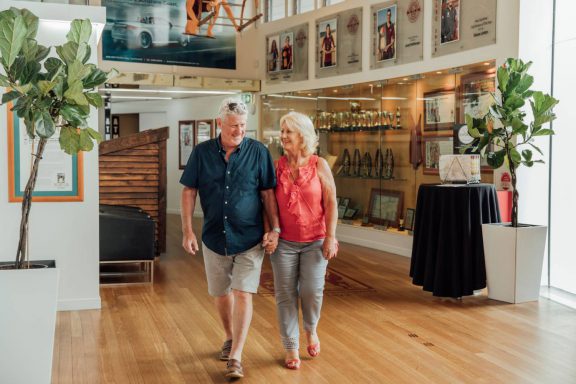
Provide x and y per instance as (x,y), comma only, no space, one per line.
(28,299)
(514,258)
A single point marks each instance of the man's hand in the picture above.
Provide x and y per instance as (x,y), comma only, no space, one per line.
(270,241)
(189,242)
(330,247)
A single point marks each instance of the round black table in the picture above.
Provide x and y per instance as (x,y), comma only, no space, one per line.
(447,252)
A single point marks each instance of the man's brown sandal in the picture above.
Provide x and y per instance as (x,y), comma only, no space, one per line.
(234,369)
(225,352)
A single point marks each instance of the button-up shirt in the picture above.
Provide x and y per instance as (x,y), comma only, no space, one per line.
(230,192)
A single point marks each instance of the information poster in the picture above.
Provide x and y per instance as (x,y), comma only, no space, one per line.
(287,55)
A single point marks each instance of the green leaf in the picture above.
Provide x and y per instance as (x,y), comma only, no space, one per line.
(543,132)
(87,54)
(525,82)
(42,53)
(527,154)
(12,36)
(69,140)
(59,87)
(514,102)
(4,81)
(74,115)
(496,159)
(503,78)
(515,156)
(75,93)
(29,49)
(94,99)
(80,31)
(528,163)
(95,78)
(77,71)
(31,22)
(536,148)
(72,51)
(23,89)
(45,126)
(9,96)
(30,72)
(95,135)
(86,143)
(46,86)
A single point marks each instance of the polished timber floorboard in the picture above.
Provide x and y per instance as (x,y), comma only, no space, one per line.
(376,327)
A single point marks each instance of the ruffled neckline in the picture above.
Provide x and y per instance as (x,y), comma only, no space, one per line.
(292,189)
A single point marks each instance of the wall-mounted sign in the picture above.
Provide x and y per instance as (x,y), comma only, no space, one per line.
(287,55)
(397,33)
(461,25)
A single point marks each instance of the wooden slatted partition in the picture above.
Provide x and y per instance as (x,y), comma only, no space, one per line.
(133,173)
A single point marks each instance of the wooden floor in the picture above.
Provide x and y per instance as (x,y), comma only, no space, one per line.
(170,333)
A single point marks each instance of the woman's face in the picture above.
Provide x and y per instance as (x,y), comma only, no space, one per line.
(291,139)
(328,30)
(287,41)
(274,45)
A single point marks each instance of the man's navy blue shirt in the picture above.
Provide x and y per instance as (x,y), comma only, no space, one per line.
(230,192)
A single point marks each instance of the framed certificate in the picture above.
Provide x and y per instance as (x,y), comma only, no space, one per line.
(60,176)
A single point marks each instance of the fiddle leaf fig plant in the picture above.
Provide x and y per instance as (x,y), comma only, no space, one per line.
(505,133)
(53,95)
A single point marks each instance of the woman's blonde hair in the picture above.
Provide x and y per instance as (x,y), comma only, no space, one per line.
(305,128)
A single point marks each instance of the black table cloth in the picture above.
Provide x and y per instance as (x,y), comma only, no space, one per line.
(447,252)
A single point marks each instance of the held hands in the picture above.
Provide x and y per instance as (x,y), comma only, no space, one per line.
(189,242)
(270,242)
(330,247)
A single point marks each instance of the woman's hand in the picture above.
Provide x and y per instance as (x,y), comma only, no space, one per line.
(330,247)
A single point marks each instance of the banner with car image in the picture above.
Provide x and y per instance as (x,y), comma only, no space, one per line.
(165,32)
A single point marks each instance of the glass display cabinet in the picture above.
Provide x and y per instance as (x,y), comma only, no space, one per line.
(383,139)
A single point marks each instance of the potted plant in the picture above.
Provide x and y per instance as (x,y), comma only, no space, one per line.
(53,95)
(514,252)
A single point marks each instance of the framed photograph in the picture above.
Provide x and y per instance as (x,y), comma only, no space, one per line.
(186,134)
(385,206)
(328,42)
(60,176)
(433,147)
(476,91)
(287,51)
(450,21)
(386,31)
(204,131)
(439,110)
(343,206)
(350,213)
(409,219)
(337,201)
(273,54)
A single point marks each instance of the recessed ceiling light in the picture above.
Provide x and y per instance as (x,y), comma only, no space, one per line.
(405,79)
(335,91)
(486,63)
(439,72)
(141,97)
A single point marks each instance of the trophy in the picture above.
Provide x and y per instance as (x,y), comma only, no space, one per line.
(398,125)
(356,163)
(388,164)
(367,165)
(390,120)
(344,169)
(378,163)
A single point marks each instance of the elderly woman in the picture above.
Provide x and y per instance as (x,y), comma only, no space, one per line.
(306,197)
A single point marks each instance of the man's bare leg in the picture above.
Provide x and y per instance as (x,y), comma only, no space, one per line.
(225,306)
(241,318)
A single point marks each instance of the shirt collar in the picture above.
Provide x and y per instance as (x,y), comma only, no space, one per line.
(238,148)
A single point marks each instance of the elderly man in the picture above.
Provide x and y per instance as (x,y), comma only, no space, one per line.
(235,178)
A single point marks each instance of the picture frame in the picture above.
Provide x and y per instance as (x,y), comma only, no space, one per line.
(61,181)
(286,51)
(186,134)
(433,147)
(409,219)
(328,45)
(273,53)
(204,131)
(439,110)
(350,213)
(342,206)
(385,31)
(475,94)
(385,206)
(449,21)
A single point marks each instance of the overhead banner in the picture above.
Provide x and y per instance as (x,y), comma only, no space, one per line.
(165,32)
(460,25)
(339,43)
(397,33)
(287,55)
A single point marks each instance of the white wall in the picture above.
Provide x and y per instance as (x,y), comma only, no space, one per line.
(152,120)
(176,110)
(66,232)
(506,46)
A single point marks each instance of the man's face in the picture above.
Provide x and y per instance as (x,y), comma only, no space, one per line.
(388,16)
(233,130)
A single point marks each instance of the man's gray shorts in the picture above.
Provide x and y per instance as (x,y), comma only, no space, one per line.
(240,271)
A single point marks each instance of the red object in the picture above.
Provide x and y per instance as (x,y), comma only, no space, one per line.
(505,205)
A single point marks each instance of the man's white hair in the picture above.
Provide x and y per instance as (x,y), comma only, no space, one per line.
(232,106)
(304,126)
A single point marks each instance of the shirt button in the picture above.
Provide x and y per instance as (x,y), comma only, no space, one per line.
(223,231)
(227,187)
(225,217)
(228,172)
(225,202)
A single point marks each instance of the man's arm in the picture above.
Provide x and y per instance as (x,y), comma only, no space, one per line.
(271,211)
(187,205)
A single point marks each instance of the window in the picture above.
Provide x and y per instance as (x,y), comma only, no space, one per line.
(274,10)
(305,6)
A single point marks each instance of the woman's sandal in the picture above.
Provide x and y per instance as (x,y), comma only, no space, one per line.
(313,349)
(292,364)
